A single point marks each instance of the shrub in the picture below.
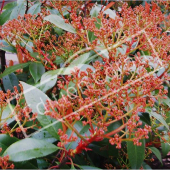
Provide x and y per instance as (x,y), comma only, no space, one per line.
(94,85)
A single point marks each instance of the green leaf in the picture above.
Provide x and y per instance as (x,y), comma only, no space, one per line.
(158,117)
(6,47)
(6,114)
(19,2)
(58,60)
(31,81)
(156,152)
(136,154)
(53,11)
(80,60)
(36,70)
(34,55)
(36,100)
(31,123)
(66,71)
(111,13)
(166,101)
(97,8)
(114,126)
(25,164)
(10,5)
(91,36)
(12,69)
(59,31)
(48,80)
(168,92)
(146,166)
(29,148)
(95,11)
(59,22)
(23,76)
(28,45)
(151,61)
(19,10)
(165,146)
(10,81)
(144,117)
(35,9)
(168,117)
(81,129)
(106,150)
(6,14)
(42,164)
(6,141)
(44,135)
(121,50)
(104,52)
(88,167)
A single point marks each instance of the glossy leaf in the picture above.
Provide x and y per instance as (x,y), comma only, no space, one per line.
(81,59)
(29,148)
(146,166)
(48,79)
(158,117)
(97,8)
(95,11)
(35,9)
(19,10)
(22,77)
(6,141)
(88,167)
(44,135)
(36,70)
(91,36)
(166,101)
(4,16)
(19,2)
(165,146)
(168,117)
(6,47)
(106,150)
(114,126)
(10,81)
(66,71)
(157,153)
(14,68)
(59,22)
(42,164)
(6,113)
(81,129)
(58,60)
(136,154)
(25,164)
(36,100)
(145,118)
(10,5)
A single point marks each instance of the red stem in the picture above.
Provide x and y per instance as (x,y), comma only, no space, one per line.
(50,62)
(2,6)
